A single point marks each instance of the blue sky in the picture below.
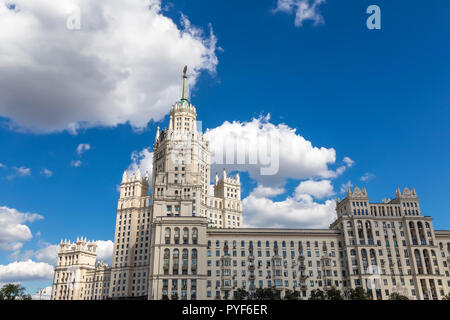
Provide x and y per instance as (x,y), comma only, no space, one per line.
(378,97)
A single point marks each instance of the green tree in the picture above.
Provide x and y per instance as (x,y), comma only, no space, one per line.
(266,294)
(13,291)
(317,295)
(26,297)
(397,296)
(240,294)
(446,297)
(291,295)
(334,294)
(174,296)
(359,294)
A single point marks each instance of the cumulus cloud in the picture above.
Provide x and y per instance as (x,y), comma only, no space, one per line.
(105,251)
(303,9)
(29,270)
(277,146)
(345,186)
(289,213)
(13,231)
(2,165)
(82,147)
(143,161)
(317,189)
(46,172)
(20,172)
(76,163)
(48,253)
(262,191)
(122,65)
(349,162)
(367,177)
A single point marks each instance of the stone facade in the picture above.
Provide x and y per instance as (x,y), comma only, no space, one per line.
(186,239)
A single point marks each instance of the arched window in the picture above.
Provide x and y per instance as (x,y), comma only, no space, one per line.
(364,259)
(421,233)
(413,232)
(194,261)
(185,258)
(167,235)
(166,261)
(194,235)
(292,244)
(418,261)
(283,244)
(177,235)
(353,252)
(373,258)
(427,259)
(185,235)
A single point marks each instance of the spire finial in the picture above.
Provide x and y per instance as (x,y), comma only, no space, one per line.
(183,97)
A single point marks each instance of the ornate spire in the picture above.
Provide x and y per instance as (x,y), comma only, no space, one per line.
(183,97)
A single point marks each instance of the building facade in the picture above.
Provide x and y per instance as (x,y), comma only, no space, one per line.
(186,240)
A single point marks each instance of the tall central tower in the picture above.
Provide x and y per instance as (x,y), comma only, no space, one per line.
(181,164)
(182,207)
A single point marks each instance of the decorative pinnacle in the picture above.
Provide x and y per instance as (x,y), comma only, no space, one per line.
(183,97)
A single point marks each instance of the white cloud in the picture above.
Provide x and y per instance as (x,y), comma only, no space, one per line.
(76,163)
(29,270)
(122,66)
(304,10)
(2,165)
(349,162)
(367,177)
(13,231)
(105,251)
(317,189)
(46,172)
(48,253)
(43,294)
(288,213)
(345,186)
(20,172)
(297,158)
(82,147)
(142,160)
(262,191)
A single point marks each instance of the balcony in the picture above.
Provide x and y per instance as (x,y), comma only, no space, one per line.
(226,286)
